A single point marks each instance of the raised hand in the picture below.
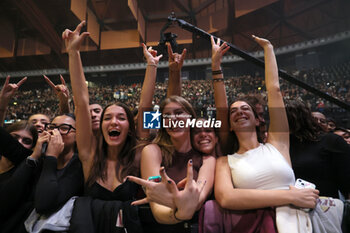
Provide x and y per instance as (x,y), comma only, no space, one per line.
(186,201)
(156,192)
(43,137)
(217,52)
(56,145)
(176,60)
(151,55)
(9,89)
(262,42)
(73,39)
(61,90)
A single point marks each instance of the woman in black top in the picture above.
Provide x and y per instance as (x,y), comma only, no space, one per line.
(317,157)
(62,174)
(107,161)
(17,175)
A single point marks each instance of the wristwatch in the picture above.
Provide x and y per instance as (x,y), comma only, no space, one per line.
(31,162)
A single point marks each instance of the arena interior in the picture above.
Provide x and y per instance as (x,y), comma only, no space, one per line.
(311,41)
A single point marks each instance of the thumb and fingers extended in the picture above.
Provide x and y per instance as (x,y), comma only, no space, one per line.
(49,82)
(21,81)
(140,202)
(139,181)
(189,172)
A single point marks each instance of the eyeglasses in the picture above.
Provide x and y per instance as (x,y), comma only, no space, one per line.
(64,129)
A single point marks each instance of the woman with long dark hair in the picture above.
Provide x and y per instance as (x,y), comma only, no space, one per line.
(259,175)
(318,157)
(107,162)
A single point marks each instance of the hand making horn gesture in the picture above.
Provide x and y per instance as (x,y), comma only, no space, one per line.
(61,90)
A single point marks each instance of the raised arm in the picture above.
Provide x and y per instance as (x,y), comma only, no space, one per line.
(62,93)
(175,65)
(279,129)
(220,93)
(7,92)
(84,135)
(243,199)
(206,174)
(151,159)
(148,86)
(168,204)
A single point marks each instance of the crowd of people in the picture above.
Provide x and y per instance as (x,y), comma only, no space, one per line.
(331,80)
(95,167)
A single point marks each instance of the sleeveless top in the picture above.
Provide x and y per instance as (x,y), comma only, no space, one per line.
(123,192)
(263,167)
(178,169)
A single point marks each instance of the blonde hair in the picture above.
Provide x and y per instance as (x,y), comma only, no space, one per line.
(163,139)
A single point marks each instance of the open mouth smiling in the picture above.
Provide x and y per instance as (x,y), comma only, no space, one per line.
(241,119)
(114,133)
(203,142)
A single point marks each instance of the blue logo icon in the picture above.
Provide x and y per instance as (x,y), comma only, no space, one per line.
(151,120)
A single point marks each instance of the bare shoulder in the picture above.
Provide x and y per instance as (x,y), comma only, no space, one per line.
(151,151)
(221,161)
(151,148)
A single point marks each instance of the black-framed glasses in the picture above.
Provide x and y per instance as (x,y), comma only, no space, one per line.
(64,129)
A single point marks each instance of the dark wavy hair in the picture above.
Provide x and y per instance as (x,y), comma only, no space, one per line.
(301,123)
(257,128)
(125,158)
(24,125)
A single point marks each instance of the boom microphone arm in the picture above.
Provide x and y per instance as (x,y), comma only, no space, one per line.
(233,49)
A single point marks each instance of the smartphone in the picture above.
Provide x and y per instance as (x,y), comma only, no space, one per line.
(303,184)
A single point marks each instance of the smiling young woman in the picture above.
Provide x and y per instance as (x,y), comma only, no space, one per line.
(109,158)
(258,176)
(175,211)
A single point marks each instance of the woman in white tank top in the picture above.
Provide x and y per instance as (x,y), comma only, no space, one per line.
(256,175)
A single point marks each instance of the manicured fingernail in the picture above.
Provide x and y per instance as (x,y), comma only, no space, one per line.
(169,182)
(190,161)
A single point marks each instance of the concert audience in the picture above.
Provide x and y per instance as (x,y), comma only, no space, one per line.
(198,92)
(36,184)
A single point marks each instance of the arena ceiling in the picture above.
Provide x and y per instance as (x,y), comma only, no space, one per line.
(31,29)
